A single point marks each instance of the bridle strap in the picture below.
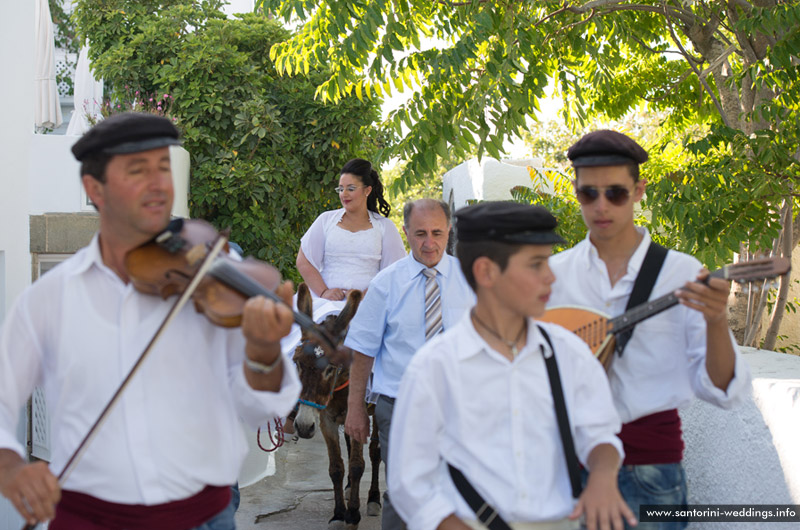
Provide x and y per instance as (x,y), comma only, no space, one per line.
(330,396)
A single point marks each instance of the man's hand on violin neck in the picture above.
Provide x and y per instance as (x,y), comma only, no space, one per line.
(31,488)
(265,322)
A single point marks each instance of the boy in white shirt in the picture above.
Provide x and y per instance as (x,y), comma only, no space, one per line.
(476,416)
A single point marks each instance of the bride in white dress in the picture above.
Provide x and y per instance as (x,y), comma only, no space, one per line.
(345,248)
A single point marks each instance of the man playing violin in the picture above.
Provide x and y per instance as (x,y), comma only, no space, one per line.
(168,452)
(685,351)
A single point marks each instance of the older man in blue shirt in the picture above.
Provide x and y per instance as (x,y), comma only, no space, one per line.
(414,298)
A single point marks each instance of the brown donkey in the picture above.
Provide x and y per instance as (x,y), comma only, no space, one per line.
(325,390)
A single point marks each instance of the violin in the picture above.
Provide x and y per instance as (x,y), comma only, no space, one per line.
(165,265)
(185,259)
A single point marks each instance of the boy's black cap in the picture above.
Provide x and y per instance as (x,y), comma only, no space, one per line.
(507,222)
(605,148)
(128,132)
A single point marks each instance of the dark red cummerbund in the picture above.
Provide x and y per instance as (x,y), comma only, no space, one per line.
(653,439)
(78,511)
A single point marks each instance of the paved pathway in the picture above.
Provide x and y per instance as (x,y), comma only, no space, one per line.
(299,495)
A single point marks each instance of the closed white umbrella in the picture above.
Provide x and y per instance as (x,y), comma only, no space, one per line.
(88,96)
(47,107)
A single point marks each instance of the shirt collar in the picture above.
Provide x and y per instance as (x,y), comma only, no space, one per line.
(91,255)
(443,267)
(592,258)
(471,343)
(637,257)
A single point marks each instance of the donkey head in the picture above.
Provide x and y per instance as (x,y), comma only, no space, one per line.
(319,380)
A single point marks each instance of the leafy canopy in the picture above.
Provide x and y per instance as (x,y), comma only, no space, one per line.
(724,75)
(265,154)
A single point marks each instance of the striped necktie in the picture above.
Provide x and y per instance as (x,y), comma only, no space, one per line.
(433,304)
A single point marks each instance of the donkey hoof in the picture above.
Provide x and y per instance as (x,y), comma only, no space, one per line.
(336,525)
(351,526)
(373,509)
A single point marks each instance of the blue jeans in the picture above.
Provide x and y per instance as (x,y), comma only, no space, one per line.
(653,484)
(224,520)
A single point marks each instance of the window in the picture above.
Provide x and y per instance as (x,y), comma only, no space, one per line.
(45,262)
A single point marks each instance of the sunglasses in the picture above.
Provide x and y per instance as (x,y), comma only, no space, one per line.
(616,195)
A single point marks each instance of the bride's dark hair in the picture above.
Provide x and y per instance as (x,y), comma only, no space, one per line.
(369,177)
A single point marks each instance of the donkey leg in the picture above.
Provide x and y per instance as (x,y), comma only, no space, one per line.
(356,471)
(349,449)
(374,496)
(330,432)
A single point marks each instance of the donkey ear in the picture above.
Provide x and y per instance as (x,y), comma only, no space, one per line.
(354,297)
(304,300)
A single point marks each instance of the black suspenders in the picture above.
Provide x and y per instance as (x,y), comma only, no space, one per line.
(483,510)
(643,286)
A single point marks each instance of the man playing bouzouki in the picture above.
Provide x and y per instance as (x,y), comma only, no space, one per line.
(683,352)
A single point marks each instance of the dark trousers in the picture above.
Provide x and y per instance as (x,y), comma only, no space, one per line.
(390,519)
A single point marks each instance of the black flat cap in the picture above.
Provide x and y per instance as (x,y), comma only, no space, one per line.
(128,132)
(507,222)
(606,148)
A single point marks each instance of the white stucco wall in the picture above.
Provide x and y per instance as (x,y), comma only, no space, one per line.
(16,93)
(238,6)
(16,33)
(55,182)
(54,175)
(489,180)
(748,455)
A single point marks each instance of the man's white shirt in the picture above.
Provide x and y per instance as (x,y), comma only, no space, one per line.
(663,365)
(77,331)
(464,403)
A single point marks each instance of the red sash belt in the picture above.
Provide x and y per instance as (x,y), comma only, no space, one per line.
(653,439)
(84,512)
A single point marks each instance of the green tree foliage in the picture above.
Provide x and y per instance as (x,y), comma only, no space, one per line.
(478,69)
(265,154)
(725,73)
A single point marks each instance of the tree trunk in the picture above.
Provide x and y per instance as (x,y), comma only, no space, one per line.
(778,310)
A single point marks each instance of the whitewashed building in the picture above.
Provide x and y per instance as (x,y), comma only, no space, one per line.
(44,214)
(490,180)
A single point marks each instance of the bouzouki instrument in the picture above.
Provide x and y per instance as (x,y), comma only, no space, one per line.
(600,331)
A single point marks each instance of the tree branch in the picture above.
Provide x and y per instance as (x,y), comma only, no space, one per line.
(603,6)
(771,336)
(459,4)
(644,45)
(558,11)
(755,317)
(669,89)
(573,25)
(699,76)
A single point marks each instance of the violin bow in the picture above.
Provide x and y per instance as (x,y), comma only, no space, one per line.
(205,266)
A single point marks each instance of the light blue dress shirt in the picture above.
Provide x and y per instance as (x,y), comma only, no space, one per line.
(390,322)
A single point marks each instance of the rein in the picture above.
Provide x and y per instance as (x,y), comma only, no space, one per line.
(330,396)
(280,436)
